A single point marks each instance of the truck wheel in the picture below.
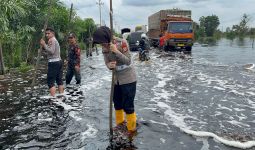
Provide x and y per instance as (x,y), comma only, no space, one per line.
(171,48)
(166,48)
(188,49)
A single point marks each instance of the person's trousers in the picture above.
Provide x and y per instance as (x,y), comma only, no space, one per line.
(72,72)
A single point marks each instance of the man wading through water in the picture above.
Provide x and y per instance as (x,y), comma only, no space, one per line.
(74,58)
(55,64)
(119,59)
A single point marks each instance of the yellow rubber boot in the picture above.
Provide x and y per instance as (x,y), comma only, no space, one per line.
(131,122)
(119,115)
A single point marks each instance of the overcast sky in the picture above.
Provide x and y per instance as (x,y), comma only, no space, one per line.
(130,13)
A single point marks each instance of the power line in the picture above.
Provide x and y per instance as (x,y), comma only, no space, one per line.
(100,3)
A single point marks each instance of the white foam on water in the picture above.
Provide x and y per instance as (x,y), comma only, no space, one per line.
(64,105)
(223,107)
(45,119)
(178,119)
(251,93)
(219,88)
(46,97)
(237,93)
(205,143)
(89,133)
(91,85)
(239,109)
(160,123)
(149,108)
(162,140)
(237,123)
(237,144)
(249,66)
(217,113)
(107,78)
(159,90)
(74,115)
(252,103)
(242,117)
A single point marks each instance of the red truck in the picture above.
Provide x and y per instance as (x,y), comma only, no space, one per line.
(174,26)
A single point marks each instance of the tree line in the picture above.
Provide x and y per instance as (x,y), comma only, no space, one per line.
(207,28)
(22,23)
(21,29)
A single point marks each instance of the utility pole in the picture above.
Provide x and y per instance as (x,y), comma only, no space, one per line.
(112,86)
(70,17)
(116,26)
(69,29)
(100,3)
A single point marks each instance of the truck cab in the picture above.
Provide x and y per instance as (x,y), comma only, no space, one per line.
(171,29)
(178,34)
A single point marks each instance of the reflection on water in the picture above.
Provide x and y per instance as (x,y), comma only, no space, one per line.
(208,90)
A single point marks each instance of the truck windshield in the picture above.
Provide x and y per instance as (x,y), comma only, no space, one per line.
(180,27)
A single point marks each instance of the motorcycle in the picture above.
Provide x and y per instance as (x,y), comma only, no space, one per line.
(143,54)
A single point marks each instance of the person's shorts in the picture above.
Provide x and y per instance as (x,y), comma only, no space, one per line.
(55,73)
(124,96)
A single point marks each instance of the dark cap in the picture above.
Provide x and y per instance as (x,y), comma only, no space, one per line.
(50,29)
(71,35)
(102,35)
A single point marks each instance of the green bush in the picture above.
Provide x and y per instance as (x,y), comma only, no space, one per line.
(24,67)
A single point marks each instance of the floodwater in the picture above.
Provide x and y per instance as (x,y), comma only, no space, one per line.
(199,101)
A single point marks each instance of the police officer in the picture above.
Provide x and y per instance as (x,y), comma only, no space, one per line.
(117,56)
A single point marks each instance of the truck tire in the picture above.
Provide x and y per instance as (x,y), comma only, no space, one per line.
(188,48)
(166,48)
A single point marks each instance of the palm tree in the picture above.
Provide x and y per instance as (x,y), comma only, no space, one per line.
(9,9)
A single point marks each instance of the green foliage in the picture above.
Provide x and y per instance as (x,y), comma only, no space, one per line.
(84,28)
(217,34)
(210,24)
(22,23)
(252,33)
(242,28)
(82,45)
(24,67)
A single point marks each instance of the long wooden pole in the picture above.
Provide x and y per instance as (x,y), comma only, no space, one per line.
(112,86)
(1,60)
(40,50)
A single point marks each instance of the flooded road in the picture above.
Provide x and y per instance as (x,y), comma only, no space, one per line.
(178,95)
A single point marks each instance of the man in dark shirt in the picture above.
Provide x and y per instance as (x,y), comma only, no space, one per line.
(74,58)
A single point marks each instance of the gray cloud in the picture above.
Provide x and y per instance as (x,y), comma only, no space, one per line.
(195,1)
(79,4)
(130,13)
(139,3)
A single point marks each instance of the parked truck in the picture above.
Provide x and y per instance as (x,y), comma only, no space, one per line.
(174,26)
